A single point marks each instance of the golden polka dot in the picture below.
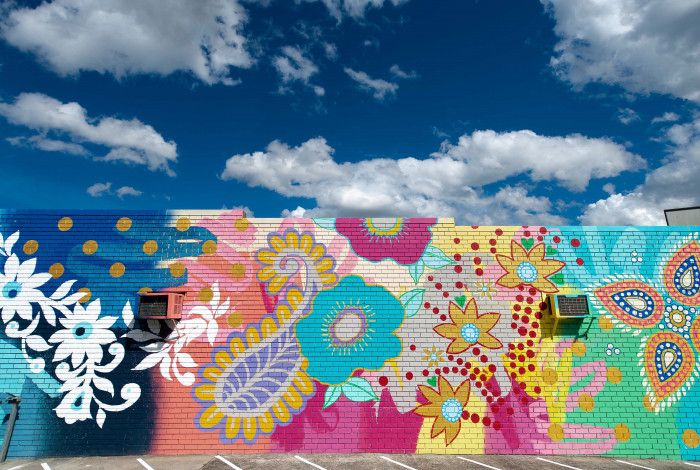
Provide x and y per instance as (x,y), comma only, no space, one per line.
(622,433)
(123,224)
(56,270)
(237,270)
(605,323)
(234,320)
(549,376)
(646,401)
(145,290)
(117,270)
(691,438)
(556,432)
(177,269)
(90,247)
(150,247)
(586,402)
(182,224)
(242,224)
(614,375)
(578,348)
(205,294)
(65,224)
(209,247)
(30,247)
(87,295)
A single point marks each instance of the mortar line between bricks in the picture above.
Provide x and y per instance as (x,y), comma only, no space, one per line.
(634,464)
(397,463)
(478,463)
(228,462)
(309,463)
(557,463)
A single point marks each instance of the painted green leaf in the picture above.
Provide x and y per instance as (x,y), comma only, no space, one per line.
(432,381)
(327,223)
(358,389)
(557,278)
(416,270)
(331,396)
(412,301)
(551,251)
(527,243)
(435,258)
(461,300)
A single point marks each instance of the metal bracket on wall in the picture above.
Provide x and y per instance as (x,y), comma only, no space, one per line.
(14,401)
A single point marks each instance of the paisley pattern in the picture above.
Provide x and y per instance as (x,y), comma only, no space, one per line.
(632,302)
(682,274)
(669,362)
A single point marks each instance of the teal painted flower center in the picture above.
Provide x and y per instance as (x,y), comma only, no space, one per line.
(348,327)
(527,271)
(11,290)
(470,332)
(451,410)
(82,330)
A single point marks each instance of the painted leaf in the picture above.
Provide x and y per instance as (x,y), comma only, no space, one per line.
(100,418)
(359,389)
(331,396)
(416,270)
(412,301)
(435,258)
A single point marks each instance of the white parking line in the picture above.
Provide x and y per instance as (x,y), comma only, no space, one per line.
(229,463)
(45,466)
(309,463)
(687,463)
(397,463)
(557,463)
(148,467)
(16,468)
(478,463)
(634,464)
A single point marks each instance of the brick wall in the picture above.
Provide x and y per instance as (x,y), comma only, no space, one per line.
(346,335)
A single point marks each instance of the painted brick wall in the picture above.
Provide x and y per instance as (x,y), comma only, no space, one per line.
(346,335)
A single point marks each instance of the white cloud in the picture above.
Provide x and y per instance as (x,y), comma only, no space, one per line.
(355,8)
(42,142)
(609,188)
(123,38)
(379,88)
(331,50)
(642,45)
(397,72)
(125,191)
(627,115)
(666,117)
(449,182)
(99,189)
(293,66)
(129,141)
(673,184)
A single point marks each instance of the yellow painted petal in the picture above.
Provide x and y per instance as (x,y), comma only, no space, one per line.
(210,417)
(292,239)
(233,425)
(328,279)
(317,252)
(452,431)
(267,256)
(547,267)
(447,330)
(283,313)
(487,321)
(294,298)
(445,388)
(205,392)
(266,273)
(509,280)
(537,252)
(277,283)
(268,327)
(250,428)
(545,286)
(462,392)
(428,411)
(439,426)
(303,383)
(281,411)
(306,243)
(458,346)
(293,398)
(212,373)
(324,265)
(430,394)
(223,359)
(489,341)
(506,262)
(277,243)
(518,252)
(252,336)
(237,347)
(266,423)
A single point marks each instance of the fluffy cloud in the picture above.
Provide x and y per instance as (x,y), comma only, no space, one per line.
(129,141)
(292,66)
(105,189)
(398,72)
(449,182)
(125,191)
(672,185)
(379,88)
(119,37)
(42,142)
(666,117)
(355,8)
(642,45)
(627,115)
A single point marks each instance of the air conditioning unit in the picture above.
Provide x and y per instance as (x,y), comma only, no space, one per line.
(160,306)
(567,306)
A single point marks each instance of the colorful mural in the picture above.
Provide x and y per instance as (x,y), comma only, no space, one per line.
(346,335)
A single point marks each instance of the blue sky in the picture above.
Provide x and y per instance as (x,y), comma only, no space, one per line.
(552,111)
